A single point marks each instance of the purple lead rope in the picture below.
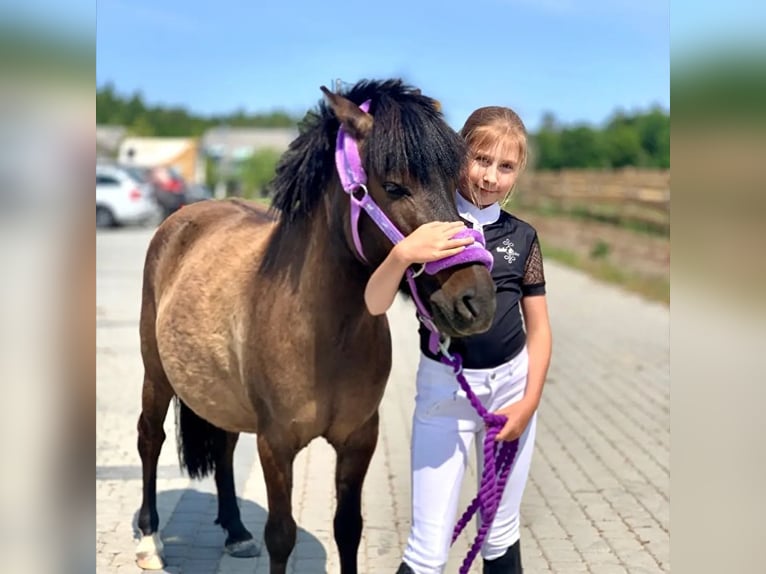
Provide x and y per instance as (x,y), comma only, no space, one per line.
(498,456)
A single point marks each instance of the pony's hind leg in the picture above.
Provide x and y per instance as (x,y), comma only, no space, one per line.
(239,542)
(354,455)
(280,532)
(156,397)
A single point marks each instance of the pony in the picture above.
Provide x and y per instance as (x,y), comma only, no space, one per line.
(254,319)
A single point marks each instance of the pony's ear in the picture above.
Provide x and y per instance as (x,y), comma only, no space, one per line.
(357,122)
(435,103)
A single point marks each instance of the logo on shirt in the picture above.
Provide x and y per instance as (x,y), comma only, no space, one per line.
(509,253)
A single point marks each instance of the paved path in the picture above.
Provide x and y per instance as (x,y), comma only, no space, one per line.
(597,500)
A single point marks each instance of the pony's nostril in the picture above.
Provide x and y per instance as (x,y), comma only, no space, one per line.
(469,308)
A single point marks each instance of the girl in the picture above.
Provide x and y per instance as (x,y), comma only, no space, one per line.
(505,366)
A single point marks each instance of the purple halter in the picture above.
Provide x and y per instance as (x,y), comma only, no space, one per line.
(498,456)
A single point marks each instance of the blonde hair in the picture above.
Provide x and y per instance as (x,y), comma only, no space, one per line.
(490,125)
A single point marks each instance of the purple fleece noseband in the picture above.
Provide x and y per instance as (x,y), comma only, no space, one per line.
(473,253)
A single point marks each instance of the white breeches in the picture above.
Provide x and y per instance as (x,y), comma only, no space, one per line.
(444,427)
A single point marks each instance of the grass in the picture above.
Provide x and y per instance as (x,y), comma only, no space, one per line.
(653,288)
(601,214)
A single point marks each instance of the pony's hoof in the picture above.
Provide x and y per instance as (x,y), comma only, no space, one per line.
(150,562)
(149,553)
(243,549)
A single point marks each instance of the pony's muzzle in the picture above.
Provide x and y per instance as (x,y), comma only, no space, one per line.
(465,303)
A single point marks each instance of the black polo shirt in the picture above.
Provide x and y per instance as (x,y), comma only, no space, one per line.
(517,272)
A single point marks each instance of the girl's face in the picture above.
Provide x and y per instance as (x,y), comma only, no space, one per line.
(492,172)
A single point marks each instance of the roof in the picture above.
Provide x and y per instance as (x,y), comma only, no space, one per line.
(108,137)
(152,151)
(242,142)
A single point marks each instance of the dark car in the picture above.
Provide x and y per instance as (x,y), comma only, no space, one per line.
(197,192)
(169,188)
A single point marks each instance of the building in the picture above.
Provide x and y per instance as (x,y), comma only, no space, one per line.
(231,144)
(108,138)
(183,154)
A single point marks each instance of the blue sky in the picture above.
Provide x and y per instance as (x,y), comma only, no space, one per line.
(579,59)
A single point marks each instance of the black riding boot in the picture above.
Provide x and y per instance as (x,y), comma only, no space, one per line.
(404,569)
(508,563)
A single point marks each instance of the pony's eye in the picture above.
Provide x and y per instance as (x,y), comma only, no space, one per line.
(396,190)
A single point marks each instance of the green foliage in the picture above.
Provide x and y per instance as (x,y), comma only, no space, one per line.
(600,250)
(211,173)
(257,171)
(547,150)
(162,121)
(582,147)
(639,140)
(142,126)
(623,146)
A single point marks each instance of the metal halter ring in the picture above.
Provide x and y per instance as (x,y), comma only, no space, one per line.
(363,188)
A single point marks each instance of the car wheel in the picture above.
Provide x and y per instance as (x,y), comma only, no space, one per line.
(104,217)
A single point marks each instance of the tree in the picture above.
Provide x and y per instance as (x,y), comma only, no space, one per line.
(623,147)
(142,127)
(653,130)
(639,139)
(258,170)
(134,108)
(581,147)
(545,145)
(212,174)
(546,150)
(175,121)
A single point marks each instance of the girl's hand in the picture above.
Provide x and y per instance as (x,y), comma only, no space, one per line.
(430,242)
(518,415)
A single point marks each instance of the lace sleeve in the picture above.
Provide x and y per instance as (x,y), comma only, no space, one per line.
(534,276)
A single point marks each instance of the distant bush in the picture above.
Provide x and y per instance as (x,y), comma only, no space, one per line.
(638,140)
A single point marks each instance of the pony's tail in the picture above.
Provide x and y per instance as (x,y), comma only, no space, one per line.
(199,442)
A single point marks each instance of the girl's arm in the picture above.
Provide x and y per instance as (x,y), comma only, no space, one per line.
(539,346)
(381,288)
(429,242)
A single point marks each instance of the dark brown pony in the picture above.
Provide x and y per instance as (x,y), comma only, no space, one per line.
(256,320)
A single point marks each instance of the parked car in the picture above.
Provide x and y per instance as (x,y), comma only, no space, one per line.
(198,192)
(122,197)
(169,189)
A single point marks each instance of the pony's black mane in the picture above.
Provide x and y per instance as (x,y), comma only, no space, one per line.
(409,136)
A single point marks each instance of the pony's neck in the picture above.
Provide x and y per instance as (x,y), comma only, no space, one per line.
(321,238)
(335,219)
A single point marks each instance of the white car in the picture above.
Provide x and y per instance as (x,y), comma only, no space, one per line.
(123,197)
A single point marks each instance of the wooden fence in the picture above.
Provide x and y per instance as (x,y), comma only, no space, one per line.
(624,197)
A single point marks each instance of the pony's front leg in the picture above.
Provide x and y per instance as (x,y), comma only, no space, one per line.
(354,455)
(277,465)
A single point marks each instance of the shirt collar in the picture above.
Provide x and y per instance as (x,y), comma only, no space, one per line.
(474,214)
